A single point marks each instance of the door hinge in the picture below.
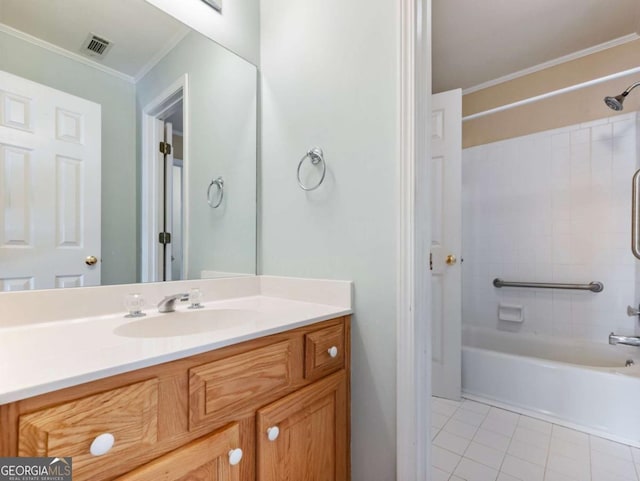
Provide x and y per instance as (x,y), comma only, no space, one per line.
(164,237)
(165,148)
(430,261)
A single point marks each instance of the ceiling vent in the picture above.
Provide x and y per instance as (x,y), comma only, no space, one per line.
(95,46)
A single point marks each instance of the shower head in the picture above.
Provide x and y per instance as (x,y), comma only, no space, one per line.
(615,103)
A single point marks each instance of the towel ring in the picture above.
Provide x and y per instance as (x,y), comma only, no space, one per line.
(219,183)
(316,156)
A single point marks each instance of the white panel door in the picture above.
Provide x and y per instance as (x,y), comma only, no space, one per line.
(446,225)
(50,151)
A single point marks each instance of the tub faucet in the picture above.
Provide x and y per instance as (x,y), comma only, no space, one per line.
(626,340)
(168,303)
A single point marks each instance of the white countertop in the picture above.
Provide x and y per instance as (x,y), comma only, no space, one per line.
(37,358)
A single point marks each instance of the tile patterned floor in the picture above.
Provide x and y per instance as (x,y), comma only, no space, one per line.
(478,442)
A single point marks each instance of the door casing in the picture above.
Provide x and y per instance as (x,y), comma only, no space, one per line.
(152,178)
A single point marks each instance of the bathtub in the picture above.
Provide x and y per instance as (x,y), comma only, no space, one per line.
(577,384)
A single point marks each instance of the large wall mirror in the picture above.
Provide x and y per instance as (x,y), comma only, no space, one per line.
(127,148)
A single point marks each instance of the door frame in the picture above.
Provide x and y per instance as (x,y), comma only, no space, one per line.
(151,177)
(413,290)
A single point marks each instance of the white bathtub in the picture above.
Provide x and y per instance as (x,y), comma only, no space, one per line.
(578,384)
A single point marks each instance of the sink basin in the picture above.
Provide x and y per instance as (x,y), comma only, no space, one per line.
(185,323)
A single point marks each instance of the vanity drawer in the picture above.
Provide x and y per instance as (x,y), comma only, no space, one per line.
(129,413)
(222,390)
(206,459)
(324,351)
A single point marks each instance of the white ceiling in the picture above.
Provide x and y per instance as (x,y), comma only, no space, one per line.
(478,41)
(138,30)
(473,41)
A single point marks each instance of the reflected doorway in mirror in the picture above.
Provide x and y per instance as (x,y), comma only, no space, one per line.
(164,191)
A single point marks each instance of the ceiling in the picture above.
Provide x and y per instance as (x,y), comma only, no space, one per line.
(139,32)
(473,41)
(478,41)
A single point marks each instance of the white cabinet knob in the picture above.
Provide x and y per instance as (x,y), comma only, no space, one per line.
(235,455)
(333,351)
(273,432)
(102,444)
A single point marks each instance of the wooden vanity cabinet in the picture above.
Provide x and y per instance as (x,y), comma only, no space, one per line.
(311,442)
(183,420)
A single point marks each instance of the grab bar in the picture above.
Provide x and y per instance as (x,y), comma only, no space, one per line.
(635,223)
(592,286)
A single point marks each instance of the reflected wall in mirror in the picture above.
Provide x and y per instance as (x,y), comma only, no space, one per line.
(87,96)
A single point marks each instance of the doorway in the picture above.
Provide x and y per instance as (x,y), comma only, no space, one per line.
(174,198)
(171,203)
(164,174)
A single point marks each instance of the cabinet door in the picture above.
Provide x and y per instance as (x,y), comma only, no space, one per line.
(205,459)
(129,414)
(312,432)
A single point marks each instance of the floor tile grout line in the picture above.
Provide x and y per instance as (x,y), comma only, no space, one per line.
(481,444)
(506,453)
(592,448)
(548,450)
(445,449)
(553,435)
(546,461)
(461,456)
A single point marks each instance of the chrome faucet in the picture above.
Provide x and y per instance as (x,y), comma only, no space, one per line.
(626,340)
(168,303)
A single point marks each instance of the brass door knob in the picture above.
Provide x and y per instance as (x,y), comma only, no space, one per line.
(451,260)
(91,260)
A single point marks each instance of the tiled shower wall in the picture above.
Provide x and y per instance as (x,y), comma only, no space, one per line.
(552,207)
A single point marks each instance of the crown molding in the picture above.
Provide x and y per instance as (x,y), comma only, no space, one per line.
(552,63)
(65,53)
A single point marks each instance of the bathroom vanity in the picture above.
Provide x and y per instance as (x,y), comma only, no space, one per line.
(273,407)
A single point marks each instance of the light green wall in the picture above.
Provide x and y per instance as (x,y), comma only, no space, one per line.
(117,98)
(329,78)
(222,111)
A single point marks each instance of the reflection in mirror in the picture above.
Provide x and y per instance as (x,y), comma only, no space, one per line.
(112,128)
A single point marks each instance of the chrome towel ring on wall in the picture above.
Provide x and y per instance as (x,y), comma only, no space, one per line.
(219,183)
(316,156)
